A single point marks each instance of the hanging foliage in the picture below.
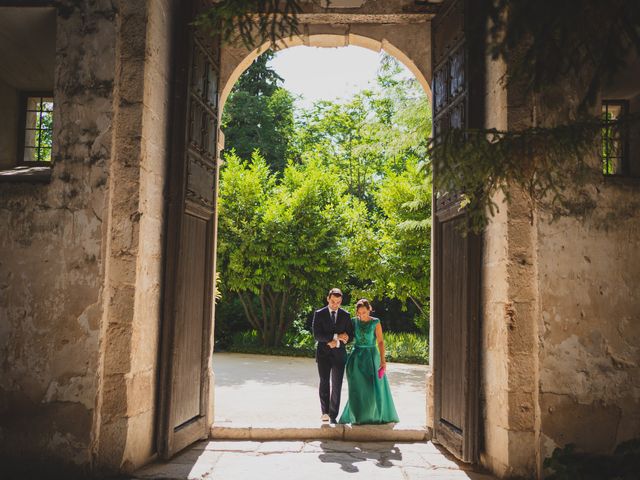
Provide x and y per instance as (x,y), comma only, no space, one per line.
(546,43)
(252,22)
(549,42)
(538,160)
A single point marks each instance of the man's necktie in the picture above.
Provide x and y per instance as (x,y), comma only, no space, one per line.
(333,317)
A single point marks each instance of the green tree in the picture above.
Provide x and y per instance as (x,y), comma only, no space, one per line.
(278,239)
(259,115)
(392,252)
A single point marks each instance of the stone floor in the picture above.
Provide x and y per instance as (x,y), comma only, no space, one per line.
(311,460)
(260,399)
(263,389)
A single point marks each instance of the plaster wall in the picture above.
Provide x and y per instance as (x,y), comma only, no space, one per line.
(9,112)
(52,256)
(27,56)
(81,256)
(589,322)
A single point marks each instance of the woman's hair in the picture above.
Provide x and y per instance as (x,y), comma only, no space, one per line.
(363,302)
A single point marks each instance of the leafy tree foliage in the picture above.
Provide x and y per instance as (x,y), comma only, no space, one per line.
(351,208)
(278,239)
(259,115)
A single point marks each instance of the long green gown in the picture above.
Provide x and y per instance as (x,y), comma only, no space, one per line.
(370,398)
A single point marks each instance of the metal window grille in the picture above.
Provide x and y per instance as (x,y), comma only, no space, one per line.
(37,140)
(614,137)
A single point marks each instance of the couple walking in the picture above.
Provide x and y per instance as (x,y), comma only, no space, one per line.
(370,398)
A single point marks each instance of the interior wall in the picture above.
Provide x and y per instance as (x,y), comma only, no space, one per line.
(27,56)
(10,113)
(590,317)
(52,257)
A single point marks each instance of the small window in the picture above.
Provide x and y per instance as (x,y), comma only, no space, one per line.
(615,137)
(36,139)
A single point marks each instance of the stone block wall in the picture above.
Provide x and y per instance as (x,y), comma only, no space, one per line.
(561,313)
(126,420)
(509,302)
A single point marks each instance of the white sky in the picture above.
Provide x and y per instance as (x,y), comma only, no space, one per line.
(325,73)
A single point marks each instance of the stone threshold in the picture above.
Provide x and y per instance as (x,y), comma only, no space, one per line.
(360,433)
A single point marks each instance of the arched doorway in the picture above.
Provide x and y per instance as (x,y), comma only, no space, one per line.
(454,336)
(242,313)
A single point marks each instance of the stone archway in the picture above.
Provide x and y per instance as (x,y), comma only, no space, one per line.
(233,63)
(408,43)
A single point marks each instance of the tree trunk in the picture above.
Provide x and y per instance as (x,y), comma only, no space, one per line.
(271,320)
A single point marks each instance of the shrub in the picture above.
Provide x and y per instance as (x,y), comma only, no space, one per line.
(567,464)
(399,347)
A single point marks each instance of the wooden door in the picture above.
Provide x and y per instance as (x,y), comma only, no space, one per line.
(190,243)
(458,95)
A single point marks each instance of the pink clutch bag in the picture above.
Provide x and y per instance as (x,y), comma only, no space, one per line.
(381,372)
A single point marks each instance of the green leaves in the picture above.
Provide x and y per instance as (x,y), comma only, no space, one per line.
(278,238)
(259,115)
(541,162)
(350,206)
(251,22)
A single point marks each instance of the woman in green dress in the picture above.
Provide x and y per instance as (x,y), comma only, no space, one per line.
(370,398)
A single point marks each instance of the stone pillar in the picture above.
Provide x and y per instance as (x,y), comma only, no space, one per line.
(124,430)
(509,325)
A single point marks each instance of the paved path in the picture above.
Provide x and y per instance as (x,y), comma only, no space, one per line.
(263,389)
(256,390)
(315,460)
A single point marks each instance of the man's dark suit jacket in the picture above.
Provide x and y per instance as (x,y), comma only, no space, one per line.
(323,330)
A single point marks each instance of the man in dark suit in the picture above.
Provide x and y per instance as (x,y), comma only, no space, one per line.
(332,329)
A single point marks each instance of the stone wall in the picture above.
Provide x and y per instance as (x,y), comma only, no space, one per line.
(561,314)
(409,43)
(509,303)
(10,113)
(52,255)
(81,258)
(134,246)
(27,56)
(589,322)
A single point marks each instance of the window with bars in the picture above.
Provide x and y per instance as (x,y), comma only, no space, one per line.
(614,138)
(36,139)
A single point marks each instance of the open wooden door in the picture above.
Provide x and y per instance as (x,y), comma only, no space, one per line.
(458,95)
(190,244)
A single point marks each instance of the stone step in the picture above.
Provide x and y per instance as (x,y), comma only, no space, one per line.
(362,433)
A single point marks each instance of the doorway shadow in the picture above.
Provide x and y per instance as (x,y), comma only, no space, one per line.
(348,455)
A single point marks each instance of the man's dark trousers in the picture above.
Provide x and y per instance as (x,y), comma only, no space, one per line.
(331,361)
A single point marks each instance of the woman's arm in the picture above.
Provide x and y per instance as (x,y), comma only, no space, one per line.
(379,337)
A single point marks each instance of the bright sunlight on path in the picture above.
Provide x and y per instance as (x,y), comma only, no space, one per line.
(313,460)
(262,389)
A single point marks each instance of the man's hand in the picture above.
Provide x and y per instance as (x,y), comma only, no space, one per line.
(332,343)
(343,337)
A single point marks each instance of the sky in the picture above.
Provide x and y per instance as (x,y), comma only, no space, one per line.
(326,73)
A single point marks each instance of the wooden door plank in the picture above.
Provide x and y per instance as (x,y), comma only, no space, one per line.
(457,103)
(190,248)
